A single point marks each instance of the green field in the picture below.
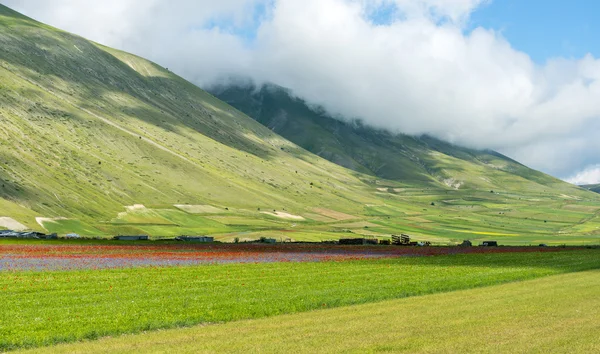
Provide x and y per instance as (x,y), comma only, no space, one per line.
(556,314)
(46,308)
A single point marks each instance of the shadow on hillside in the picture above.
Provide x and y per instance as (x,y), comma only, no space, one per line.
(13,190)
(95,77)
(350,144)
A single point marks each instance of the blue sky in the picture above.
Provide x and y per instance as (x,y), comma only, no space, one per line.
(544,29)
(246,30)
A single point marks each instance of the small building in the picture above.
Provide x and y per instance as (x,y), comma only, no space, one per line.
(402,240)
(72,235)
(21,234)
(358,241)
(351,241)
(132,238)
(31,234)
(8,233)
(489,244)
(195,238)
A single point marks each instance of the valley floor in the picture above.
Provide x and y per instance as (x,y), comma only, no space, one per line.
(555,314)
(336,304)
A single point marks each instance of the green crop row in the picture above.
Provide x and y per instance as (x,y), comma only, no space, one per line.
(44,308)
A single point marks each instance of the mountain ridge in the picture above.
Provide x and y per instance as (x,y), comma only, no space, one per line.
(277,108)
(101,142)
(592,187)
(108,92)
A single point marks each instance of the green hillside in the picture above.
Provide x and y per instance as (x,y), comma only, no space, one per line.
(592,187)
(87,130)
(100,142)
(376,151)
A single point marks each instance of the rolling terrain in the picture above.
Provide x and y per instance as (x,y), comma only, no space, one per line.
(100,142)
(87,131)
(377,152)
(592,187)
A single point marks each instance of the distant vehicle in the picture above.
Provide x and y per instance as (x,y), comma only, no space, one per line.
(72,236)
(489,244)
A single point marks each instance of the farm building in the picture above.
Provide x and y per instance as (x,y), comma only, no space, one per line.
(195,238)
(19,234)
(132,238)
(358,241)
(489,244)
(8,233)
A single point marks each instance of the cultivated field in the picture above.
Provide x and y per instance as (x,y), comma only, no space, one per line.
(47,307)
(58,255)
(528,316)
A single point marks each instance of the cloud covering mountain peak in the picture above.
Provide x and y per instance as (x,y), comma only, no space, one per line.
(407,65)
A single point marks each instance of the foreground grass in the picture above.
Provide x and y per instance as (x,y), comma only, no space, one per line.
(44,308)
(558,314)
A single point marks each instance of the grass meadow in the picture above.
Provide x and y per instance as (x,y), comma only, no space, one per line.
(47,308)
(555,314)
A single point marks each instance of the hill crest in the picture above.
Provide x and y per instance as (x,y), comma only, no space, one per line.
(100,142)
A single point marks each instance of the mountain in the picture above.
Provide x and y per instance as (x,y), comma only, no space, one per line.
(592,187)
(88,130)
(100,142)
(377,152)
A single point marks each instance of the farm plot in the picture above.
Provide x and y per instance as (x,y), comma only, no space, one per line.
(64,257)
(48,307)
(40,257)
(520,317)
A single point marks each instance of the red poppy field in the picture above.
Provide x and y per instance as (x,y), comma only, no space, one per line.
(54,291)
(39,256)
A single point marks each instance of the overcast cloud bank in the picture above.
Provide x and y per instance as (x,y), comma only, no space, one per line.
(406,65)
(590,175)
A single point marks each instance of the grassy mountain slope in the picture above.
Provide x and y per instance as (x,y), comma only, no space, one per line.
(592,187)
(375,151)
(99,142)
(483,183)
(87,130)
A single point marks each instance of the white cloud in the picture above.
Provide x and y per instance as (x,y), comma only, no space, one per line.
(590,175)
(421,73)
